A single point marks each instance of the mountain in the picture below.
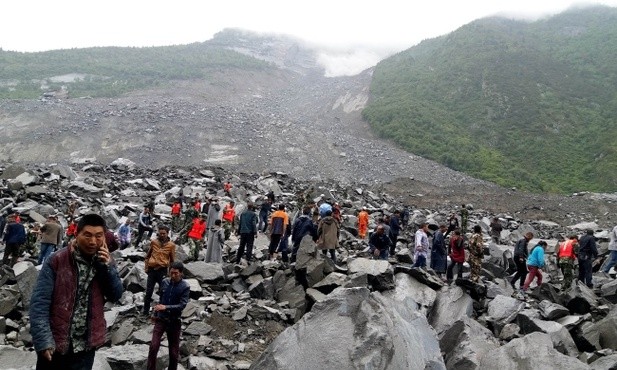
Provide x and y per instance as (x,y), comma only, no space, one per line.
(525,104)
(246,102)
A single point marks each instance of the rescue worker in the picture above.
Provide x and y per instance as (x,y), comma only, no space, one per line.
(362,223)
(176,211)
(229,218)
(196,236)
(476,254)
(566,257)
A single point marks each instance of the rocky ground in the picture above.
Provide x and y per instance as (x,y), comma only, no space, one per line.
(300,135)
(358,310)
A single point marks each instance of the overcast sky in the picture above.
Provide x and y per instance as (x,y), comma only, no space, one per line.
(370,29)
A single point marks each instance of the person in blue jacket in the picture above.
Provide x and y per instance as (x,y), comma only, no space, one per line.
(14,237)
(535,264)
(174,298)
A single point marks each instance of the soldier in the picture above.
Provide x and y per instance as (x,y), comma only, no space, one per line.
(464,218)
(176,211)
(229,218)
(196,236)
(567,256)
(476,254)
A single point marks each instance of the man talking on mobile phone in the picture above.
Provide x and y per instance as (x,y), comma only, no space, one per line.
(66,310)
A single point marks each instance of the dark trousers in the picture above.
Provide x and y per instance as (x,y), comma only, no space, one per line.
(247,240)
(263,221)
(154,277)
(140,234)
(172,328)
(294,252)
(584,271)
(275,239)
(332,254)
(394,238)
(71,361)
(450,270)
(11,253)
(521,272)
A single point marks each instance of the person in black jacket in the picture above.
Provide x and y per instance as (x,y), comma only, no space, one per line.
(587,252)
(302,226)
(247,229)
(520,259)
(174,297)
(14,238)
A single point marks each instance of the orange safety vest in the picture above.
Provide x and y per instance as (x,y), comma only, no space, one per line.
(566,249)
(197,206)
(175,209)
(229,213)
(198,229)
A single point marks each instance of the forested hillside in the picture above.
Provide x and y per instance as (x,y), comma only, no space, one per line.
(531,105)
(109,71)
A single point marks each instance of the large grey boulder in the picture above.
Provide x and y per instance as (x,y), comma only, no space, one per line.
(503,310)
(451,305)
(533,351)
(562,340)
(380,272)
(17,359)
(131,357)
(26,275)
(465,342)
(580,299)
(204,272)
(355,329)
(552,311)
(609,291)
(420,293)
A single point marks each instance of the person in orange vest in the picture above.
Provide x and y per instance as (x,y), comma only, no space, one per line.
(566,256)
(229,218)
(362,223)
(196,236)
(176,210)
(227,187)
(71,231)
(197,203)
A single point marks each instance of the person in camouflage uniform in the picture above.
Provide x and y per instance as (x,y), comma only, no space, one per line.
(189,215)
(464,218)
(476,254)
(567,255)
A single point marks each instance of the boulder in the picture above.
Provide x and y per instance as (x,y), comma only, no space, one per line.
(533,351)
(451,305)
(423,295)
(580,299)
(331,282)
(603,363)
(204,272)
(465,342)
(131,357)
(380,273)
(609,291)
(355,329)
(552,311)
(17,359)
(560,336)
(25,274)
(421,275)
(503,310)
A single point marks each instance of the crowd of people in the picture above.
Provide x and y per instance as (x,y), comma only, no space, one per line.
(79,274)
